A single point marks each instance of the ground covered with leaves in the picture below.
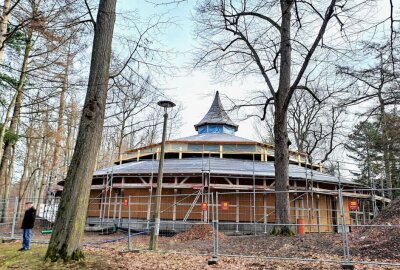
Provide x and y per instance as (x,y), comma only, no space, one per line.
(378,242)
(109,258)
(186,255)
(380,239)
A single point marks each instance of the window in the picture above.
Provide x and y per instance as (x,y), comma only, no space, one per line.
(202,130)
(215,129)
(211,147)
(229,130)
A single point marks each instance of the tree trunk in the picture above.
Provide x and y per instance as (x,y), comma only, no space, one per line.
(7,119)
(281,168)
(24,182)
(65,242)
(43,178)
(280,126)
(6,194)
(71,122)
(3,27)
(60,123)
(385,145)
(386,158)
(4,180)
(121,139)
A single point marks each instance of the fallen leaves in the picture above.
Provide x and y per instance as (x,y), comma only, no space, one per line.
(199,232)
(381,239)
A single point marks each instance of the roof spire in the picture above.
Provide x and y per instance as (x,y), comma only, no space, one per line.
(216,115)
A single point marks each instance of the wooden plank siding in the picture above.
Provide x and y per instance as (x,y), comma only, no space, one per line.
(320,210)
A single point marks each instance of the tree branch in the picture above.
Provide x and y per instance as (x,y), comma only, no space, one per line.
(265,107)
(328,16)
(303,87)
(90,14)
(255,14)
(255,56)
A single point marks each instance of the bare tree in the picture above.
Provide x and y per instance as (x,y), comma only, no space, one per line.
(39,36)
(262,37)
(315,127)
(65,243)
(378,84)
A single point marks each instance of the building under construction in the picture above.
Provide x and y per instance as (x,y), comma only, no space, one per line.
(241,171)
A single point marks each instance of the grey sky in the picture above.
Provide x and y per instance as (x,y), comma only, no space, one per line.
(195,89)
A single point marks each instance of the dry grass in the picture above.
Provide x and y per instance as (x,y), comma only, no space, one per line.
(11,258)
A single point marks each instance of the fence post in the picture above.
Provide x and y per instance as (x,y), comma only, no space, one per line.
(15,214)
(129,223)
(214,228)
(347,264)
(217,223)
(214,258)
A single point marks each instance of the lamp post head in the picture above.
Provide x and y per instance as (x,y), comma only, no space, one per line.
(166,104)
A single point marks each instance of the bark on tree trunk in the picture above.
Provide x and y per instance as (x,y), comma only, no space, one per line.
(3,128)
(24,182)
(386,158)
(385,145)
(65,242)
(71,123)
(3,27)
(281,171)
(43,179)
(121,139)
(60,123)
(9,174)
(4,180)
(280,126)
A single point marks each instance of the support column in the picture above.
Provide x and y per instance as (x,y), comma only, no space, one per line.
(296,216)
(266,154)
(149,201)
(265,205)
(174,205)
(318,211)
(237,206)
(158,154)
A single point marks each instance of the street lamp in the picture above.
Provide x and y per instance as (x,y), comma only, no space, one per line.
(155,222)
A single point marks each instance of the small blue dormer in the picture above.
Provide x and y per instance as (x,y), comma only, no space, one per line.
(216,120)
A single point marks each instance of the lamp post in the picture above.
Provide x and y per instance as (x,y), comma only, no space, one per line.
(155,222)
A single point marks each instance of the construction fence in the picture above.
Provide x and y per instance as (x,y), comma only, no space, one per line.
(343,231)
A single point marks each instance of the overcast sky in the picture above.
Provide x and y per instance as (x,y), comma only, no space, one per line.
(195,89)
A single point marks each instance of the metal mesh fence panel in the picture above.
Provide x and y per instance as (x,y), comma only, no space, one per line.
(325,227)
(185,225)
(353,226)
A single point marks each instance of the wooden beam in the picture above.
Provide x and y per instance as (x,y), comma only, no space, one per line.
(227,180)
(184,180)
(144,181)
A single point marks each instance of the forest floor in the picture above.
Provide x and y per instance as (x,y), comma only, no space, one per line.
(184,252)
(109,258)
(377,242)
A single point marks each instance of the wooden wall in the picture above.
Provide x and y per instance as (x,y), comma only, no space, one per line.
(314,209)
